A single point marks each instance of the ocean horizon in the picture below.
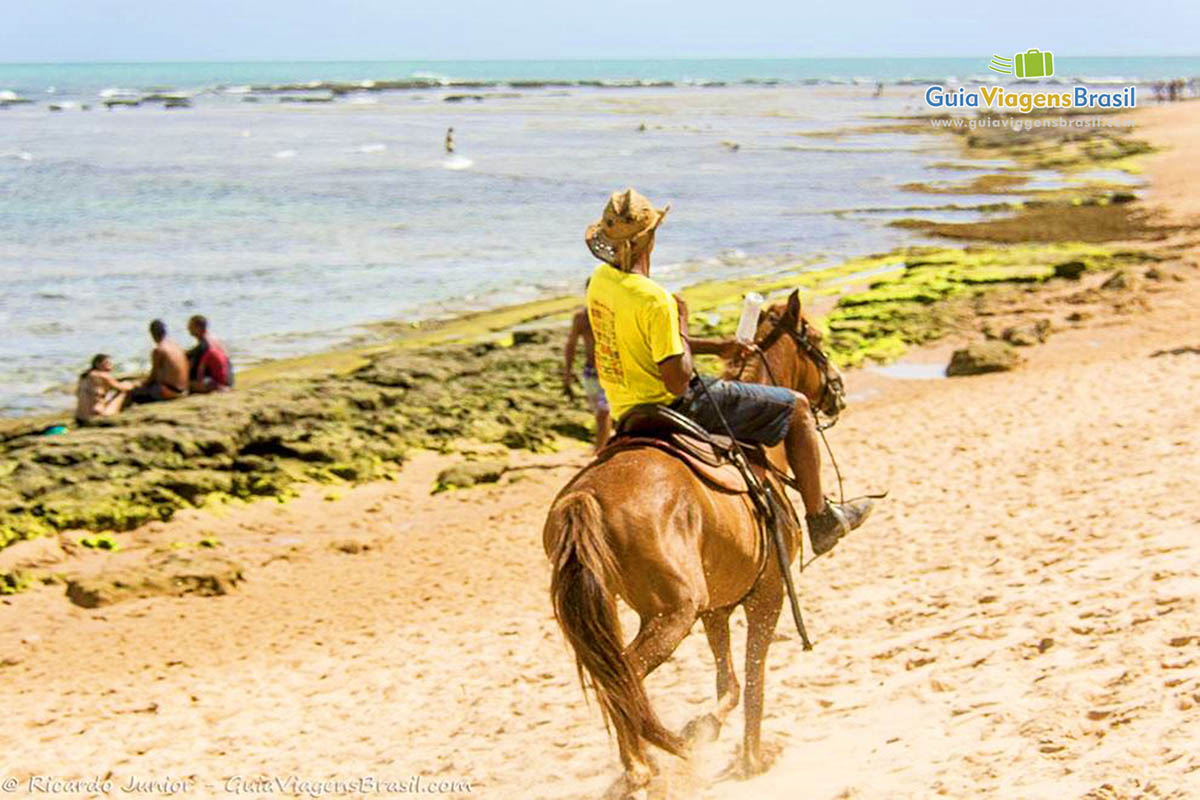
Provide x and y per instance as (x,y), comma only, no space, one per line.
(71,78)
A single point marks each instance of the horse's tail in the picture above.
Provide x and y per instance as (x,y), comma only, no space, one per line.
(587,613)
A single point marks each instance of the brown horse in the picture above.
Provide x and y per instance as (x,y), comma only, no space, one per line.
(641,526)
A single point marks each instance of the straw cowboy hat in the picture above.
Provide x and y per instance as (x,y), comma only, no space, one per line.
(626,229)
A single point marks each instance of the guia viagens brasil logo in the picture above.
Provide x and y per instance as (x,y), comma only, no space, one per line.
(1031,64)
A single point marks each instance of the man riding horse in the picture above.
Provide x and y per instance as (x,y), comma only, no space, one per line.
(644,355)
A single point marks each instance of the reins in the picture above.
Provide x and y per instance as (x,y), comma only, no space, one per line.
(821,362)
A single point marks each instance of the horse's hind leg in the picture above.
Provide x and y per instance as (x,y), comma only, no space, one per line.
(716,628)
(656,639)
(762,613)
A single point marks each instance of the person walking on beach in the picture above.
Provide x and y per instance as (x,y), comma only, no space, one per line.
(449,140)
(581,330)
(99,394)
(644,354)
(168,369)
(209,367)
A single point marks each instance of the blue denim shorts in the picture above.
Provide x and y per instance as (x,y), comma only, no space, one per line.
(755,412)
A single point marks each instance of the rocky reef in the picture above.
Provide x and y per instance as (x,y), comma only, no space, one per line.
(352,424)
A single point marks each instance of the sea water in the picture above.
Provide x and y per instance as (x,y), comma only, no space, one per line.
(293,226)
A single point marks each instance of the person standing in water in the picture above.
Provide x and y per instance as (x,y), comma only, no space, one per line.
(581,328)
(99,394)
(449,140)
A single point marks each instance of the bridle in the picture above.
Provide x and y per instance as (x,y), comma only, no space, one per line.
(832,394)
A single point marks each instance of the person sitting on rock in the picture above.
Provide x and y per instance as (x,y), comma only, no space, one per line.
(168,369)
(99,394)
(209,367)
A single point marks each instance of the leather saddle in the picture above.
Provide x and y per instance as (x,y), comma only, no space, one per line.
(706,454)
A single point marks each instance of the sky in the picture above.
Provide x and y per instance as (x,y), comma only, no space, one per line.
(236,30)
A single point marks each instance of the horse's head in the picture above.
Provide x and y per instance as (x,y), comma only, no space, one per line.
(793,357)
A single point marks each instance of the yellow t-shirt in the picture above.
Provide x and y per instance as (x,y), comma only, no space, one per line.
(635,323)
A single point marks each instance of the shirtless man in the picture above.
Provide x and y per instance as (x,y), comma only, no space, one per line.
(168,369)
(581,328)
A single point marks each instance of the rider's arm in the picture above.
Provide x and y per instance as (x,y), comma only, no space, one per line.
(676,371)
(725,348)
(709,347)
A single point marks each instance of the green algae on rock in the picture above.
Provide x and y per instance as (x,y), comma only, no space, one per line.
(932,294)
(334,427)
(352,417)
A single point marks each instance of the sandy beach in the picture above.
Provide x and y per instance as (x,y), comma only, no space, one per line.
(1018,619)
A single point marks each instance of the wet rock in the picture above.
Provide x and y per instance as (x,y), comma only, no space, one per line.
(1070,270)
(983,357)
(530,337)
(171,574)
(1027,335)
(1118,198)
(306,98)
(405,370)
(15,581)
(1162,274)
(470,473)
(354,546)
(1116,281)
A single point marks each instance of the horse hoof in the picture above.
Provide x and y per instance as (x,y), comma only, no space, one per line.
(752,766)
(702,730)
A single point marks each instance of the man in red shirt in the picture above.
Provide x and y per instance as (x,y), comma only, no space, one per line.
(211,370)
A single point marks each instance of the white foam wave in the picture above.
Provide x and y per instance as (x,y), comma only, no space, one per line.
(370,148)
(115,91)
(431,76)
(457,162)
(362,100)
(285,154)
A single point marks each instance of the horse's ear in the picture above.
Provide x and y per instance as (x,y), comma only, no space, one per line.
(792,312)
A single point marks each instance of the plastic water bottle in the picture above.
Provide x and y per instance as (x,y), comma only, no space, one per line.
(748,324)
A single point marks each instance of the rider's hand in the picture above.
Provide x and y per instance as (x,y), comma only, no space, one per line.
(735,350)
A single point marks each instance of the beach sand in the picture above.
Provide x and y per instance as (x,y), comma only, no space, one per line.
(1018,619)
